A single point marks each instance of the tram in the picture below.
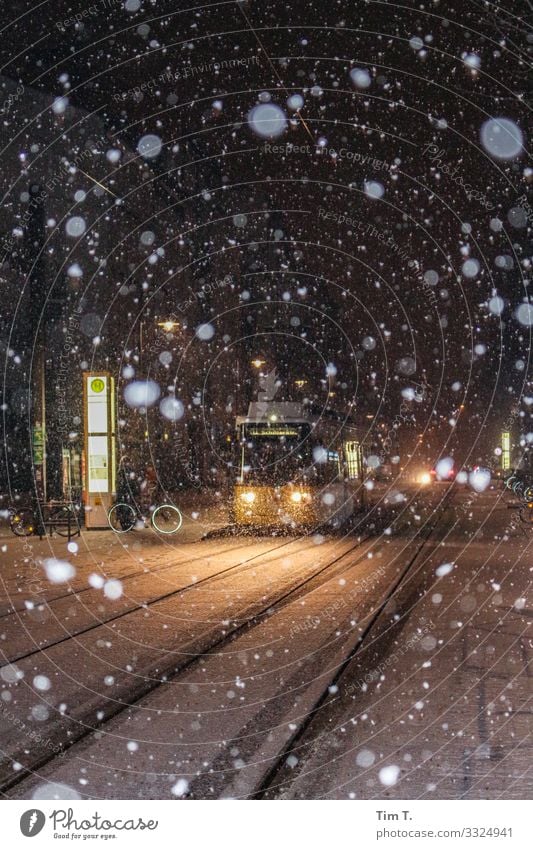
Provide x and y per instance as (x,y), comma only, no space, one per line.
(295,468)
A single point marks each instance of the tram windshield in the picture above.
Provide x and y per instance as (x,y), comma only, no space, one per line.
(273,452)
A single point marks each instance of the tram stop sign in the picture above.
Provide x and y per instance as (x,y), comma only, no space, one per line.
(99,414)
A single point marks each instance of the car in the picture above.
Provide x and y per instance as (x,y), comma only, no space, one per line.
(443,471)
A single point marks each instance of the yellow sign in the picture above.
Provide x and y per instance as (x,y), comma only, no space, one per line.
(506,450)
(97,385)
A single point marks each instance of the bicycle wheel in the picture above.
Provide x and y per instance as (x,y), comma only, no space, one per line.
(61,515)
(526,515)
(167,519)
(121,518)
(22,522)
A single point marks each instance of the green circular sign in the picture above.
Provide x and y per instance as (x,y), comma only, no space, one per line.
(97,385)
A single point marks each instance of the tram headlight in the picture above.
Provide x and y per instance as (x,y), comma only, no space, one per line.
(249,497)
(298,496)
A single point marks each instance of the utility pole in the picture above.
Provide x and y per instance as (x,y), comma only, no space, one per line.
(35,235)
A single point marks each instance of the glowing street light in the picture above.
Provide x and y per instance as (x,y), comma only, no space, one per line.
(257,363)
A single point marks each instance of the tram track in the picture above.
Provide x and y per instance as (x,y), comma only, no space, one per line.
(74,591)
(278,775)
(272,716)
(166,669)
(75,595)
(79,724)
(288,539)
(228,532)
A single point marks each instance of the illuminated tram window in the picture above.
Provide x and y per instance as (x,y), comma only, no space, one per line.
(506,450)
(351,452)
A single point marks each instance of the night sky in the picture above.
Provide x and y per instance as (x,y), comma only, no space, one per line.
(360,170)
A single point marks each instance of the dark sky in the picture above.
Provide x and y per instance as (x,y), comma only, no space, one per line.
(400,205)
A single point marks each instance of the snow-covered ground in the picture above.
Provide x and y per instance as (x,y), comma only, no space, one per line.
(132,658)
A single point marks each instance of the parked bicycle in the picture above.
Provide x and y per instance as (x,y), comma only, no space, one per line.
(22,521)
(123,517)
(520,486)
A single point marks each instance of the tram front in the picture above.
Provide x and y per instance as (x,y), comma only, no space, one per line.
(288,474)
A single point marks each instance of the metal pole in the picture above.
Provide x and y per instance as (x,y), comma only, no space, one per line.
(37,289)
(362,477)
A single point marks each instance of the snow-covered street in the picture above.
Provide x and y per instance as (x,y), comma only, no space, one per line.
(390,662)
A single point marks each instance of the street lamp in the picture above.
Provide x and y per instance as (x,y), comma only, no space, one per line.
(168,326)
(257,363)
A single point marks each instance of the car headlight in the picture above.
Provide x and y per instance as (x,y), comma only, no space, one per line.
(425,478)
(249,497)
